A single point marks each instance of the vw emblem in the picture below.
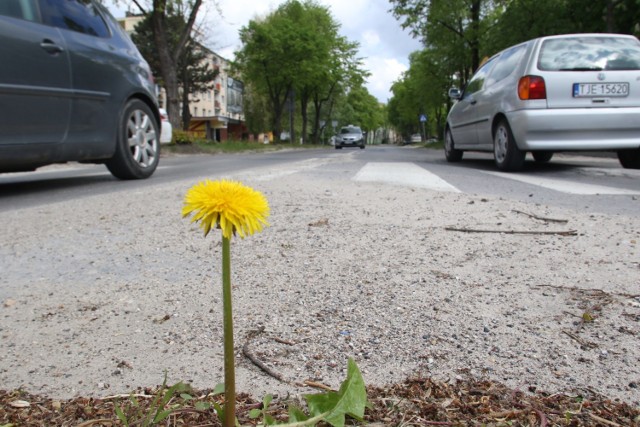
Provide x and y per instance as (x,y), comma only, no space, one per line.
(601,76)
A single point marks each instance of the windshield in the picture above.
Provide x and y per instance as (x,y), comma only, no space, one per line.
(588,53)
(350,130)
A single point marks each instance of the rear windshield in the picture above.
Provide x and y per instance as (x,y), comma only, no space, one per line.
(589,53)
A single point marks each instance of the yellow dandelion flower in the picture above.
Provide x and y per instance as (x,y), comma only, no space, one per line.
(228,205)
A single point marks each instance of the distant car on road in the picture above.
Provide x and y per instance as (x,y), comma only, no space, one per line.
(572,92)
(350,136)
(73,87)
(416,138)
(166,133)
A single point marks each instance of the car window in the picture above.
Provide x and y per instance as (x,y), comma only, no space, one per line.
(477,81)
(506,64)
(350,130)
(76,15)
(589,53)
(21,9)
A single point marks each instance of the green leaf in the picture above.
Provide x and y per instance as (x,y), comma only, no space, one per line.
(219,389)
(351,399)
(162,415)
(254,413)
(266,401)
(296,414)
(202,406)
(121,416)
(219,410)
(186,396)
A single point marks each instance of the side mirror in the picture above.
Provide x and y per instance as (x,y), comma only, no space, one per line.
(454,93)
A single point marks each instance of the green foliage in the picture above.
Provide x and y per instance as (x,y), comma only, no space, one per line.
(351,399)
(330,407)
(132,415)
(297,49)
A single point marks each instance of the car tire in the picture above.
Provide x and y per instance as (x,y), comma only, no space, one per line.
(450,153)
(629,159)
(138,143)
(507,155)
(542,156)
(362,147)
(338,148)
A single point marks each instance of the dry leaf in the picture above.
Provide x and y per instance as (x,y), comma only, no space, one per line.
(20,404)
(10,302)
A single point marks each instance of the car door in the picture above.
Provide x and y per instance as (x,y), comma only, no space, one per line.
(35,80)
(495,93)
(97,74)
(464,116)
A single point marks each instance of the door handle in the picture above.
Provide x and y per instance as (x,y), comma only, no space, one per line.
(51,47)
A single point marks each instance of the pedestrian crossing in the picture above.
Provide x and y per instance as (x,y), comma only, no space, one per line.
(412,175)
(568,186)
(405,174)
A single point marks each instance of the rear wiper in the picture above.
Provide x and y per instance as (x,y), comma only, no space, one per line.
(582,69)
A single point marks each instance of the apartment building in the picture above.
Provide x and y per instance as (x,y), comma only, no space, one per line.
(217,113)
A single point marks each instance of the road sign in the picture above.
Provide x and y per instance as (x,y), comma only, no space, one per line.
(423,118)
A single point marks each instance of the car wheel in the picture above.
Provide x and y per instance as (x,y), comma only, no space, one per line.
(629,159)
(338,148)
(138,143)
(507,155)
(542,156)
(450,153)
(362,147)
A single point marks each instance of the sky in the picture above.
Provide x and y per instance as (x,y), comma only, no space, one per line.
(384,45)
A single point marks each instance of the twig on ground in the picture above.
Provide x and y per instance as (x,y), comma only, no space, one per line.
(561,221)
(580,341)
(473,230)
(602,420)
(315,384)
(254,359)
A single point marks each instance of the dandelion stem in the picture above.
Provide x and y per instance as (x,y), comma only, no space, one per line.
(229,363)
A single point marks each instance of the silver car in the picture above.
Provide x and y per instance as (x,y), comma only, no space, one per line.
(73,87)
(350,136)
(575,92)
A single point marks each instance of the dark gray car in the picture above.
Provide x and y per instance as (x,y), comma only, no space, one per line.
(73,87)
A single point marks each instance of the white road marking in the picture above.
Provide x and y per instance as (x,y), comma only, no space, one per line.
(407,174)
(570,187)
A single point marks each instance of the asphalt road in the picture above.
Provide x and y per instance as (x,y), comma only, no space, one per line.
(595,183)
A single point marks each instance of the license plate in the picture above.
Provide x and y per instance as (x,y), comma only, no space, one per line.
(581,90)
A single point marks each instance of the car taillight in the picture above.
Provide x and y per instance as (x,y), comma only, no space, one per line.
(532,87)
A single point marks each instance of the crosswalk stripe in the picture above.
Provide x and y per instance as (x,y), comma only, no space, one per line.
(570,187)
(408,174)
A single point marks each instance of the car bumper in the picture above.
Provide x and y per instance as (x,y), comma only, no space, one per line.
(576,129)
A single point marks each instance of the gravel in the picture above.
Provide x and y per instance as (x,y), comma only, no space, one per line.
(103,294)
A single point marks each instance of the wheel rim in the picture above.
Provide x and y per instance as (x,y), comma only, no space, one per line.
(501,140)
(142,138)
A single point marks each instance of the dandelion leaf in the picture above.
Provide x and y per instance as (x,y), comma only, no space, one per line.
(350,400)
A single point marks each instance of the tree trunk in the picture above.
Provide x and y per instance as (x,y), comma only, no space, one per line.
(168,59)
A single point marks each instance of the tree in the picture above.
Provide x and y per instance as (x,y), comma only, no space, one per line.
(194,74)
(296,50)
(455,28)
(169,53)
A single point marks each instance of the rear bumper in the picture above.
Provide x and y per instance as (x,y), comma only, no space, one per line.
(576,129)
